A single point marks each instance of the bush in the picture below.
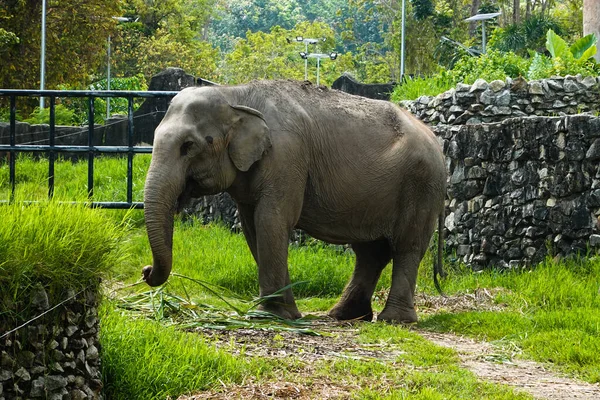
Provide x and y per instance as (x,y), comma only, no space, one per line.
(61,247)
(496,64)
(62,116)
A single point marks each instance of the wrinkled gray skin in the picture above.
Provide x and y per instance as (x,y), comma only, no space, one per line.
(343,168)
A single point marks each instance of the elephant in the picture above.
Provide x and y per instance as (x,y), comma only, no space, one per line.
(345,169)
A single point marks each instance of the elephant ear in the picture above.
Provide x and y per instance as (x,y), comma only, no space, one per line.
(249,137)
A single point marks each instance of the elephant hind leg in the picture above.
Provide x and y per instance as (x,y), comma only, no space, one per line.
(399,306)
(407,255)
(371,259)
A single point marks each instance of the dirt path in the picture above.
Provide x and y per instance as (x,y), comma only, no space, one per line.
(488,362)
(492,365)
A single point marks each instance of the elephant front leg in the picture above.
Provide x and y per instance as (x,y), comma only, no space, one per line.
(272,237)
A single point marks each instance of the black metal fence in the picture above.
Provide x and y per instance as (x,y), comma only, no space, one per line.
(52,149)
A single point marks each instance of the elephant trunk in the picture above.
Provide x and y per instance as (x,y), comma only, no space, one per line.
(160,198)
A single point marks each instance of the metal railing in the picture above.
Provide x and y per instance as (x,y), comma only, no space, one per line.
(52,150)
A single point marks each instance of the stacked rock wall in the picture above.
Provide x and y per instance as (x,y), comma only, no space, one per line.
(522,188)
(523,163)
(55,357)
(495,101)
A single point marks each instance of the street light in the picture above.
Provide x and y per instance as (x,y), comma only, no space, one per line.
(402,43)
(43,55)
(483,18)
(318,56)
(306,41)
(119,19)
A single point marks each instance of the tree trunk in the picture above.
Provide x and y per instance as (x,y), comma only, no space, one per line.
(591,20)
(516,11)
(527,9)
(473,24)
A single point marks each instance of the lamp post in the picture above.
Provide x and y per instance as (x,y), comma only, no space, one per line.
(402,43)
(120,19)
(307,41)
(483,18)
(43,55)
(318,56)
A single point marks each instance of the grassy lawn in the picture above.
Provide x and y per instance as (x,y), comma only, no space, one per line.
(201,331)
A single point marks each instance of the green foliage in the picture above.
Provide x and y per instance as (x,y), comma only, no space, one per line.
(62,116)
(556,45)
(269,56)
(7,39)
(565,60)
(422,8)
(118,105)
(413,88)
(5,115)
(490,66)
(143,359)
(164,34)
(496,64)
(585,47)
(530,34)
(75,41)
(62,247)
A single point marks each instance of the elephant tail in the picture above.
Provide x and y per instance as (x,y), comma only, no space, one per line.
(438,266)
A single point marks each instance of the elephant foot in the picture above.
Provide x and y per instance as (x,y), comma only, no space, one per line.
(285,311)
(402,316)
(352,311)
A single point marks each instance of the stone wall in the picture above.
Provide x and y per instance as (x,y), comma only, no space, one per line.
(522,188)
(55,357)
(495,101)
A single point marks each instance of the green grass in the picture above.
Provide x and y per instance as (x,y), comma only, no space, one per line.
(62,247)
(552,314)
(419,370)
(142,359)
(110,182)
(413,88)
(214,254)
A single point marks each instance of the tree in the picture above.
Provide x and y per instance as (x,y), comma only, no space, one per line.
(473,24)
(76,34)
(271,56)
(169,33)
(591,20)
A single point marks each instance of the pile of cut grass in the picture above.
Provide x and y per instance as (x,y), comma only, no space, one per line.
(61,247)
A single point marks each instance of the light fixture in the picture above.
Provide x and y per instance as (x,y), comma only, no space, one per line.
(483,18)
(333,56)
(299,38)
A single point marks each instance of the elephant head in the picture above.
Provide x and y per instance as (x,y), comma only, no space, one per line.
(200,147)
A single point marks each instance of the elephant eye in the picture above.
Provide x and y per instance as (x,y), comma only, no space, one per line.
(185,148)
(209,139)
